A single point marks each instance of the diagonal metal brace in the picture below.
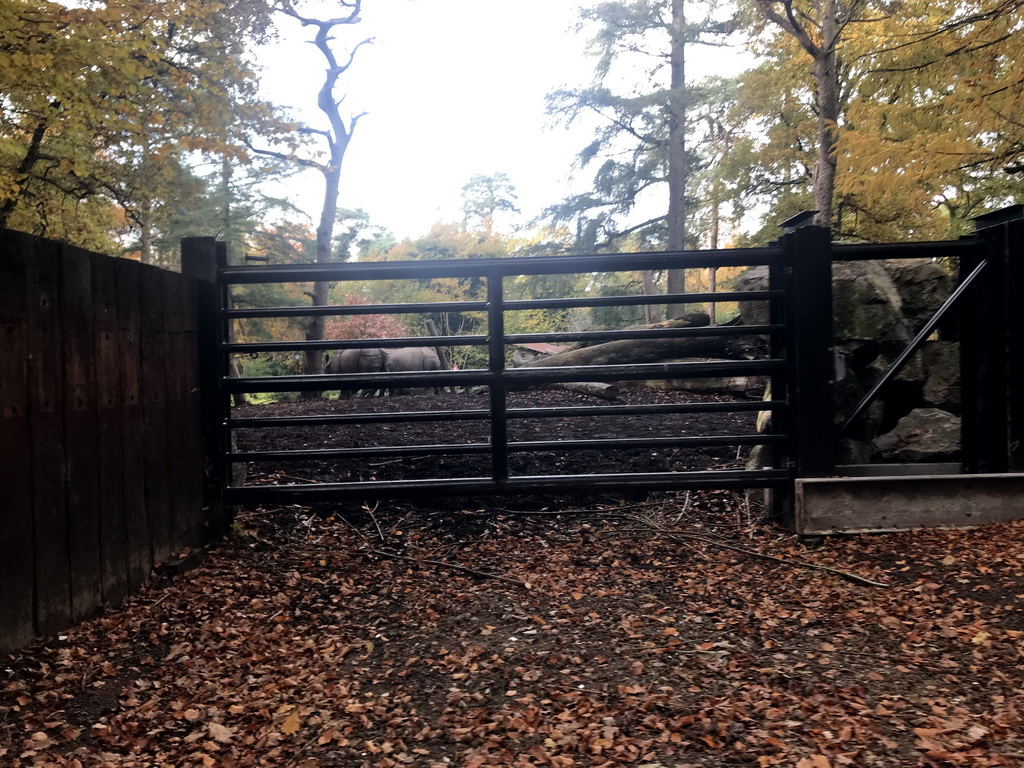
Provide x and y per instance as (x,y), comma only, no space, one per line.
(908,352)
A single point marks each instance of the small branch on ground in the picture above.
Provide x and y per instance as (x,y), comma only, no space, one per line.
(450,566)
(678,536)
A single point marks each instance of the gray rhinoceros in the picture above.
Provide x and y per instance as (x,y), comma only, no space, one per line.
(412,359)
(369,360)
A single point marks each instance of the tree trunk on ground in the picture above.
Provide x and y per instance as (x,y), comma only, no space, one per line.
(651,350)
(592,388)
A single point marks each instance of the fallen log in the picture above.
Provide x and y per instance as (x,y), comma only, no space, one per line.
(652,350)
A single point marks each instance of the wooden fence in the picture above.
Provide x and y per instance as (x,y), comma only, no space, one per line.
(100,441)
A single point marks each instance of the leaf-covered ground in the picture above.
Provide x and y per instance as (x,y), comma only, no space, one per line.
(630,637)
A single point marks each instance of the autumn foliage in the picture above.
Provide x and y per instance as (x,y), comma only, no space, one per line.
(378,326)
(626,635)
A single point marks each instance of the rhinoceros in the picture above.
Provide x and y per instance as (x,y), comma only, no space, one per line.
(369,360)
(412,359)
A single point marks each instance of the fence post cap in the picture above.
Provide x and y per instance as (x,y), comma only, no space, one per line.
(794,223)
(998,216)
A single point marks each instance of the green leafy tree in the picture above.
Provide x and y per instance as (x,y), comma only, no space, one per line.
(483,197)
(647,130)
(105,104)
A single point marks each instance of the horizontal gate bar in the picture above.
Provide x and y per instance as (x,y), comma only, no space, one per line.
(329,345)
(878,251)
(511,377)
(356,309)
(512,413)
(459,449)
(659,481)
(511,306)
(534,265)
(626,301)
(537,446)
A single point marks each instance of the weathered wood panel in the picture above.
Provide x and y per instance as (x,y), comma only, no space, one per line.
(133,484)
(109,435)
(99,431)
(892,503)
(154,397)
(81,462)
(175,403)
(16,565)
(46,375)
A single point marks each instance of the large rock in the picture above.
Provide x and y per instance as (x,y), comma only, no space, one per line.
(924,434)
(942,384)
(871,300)
(878,307)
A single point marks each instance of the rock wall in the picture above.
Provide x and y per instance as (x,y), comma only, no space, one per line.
(878,307)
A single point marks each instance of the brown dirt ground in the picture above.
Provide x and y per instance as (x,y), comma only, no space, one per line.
(616,632)
(654,459)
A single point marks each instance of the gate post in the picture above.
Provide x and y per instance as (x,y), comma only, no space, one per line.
(991,350)
(199,260)
(809,351)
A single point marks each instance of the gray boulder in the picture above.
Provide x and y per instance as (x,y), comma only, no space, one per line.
(942,383)
(878,307)
(872,300)
(924,434)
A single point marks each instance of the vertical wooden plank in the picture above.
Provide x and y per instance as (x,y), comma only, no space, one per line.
(16,564)
(81,462)
(110,442)
(154,395)
(175,409)
(192,447)
(46,372)
(133,487)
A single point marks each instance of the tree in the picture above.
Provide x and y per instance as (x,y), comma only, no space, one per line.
(484,196)
(104,104)
(650,129)
(905,124)
(337,137)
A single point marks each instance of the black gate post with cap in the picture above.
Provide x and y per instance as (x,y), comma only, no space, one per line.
(808,349)
(200,257)
(991,348)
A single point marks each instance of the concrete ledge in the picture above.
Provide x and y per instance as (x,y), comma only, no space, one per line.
(877,504)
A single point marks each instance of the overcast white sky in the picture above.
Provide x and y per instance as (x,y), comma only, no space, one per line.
(451,88)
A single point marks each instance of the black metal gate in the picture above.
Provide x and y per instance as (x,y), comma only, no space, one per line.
(795,343)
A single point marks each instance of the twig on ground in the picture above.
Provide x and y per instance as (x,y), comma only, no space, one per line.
(357,531)
(305,747)
(299,479)
(677,535)
(567,512)
(370,511)
(451,566)
(687,503)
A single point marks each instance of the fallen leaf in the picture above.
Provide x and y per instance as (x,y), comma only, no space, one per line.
(220,733)
(291,724)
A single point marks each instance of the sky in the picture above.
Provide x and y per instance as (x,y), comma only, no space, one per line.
(450,88)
